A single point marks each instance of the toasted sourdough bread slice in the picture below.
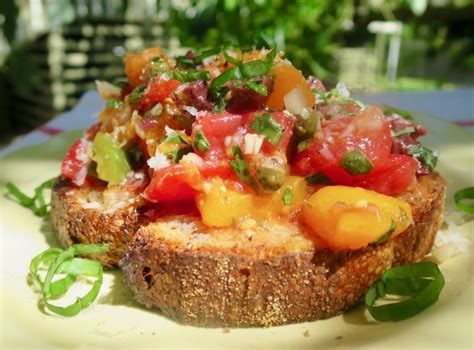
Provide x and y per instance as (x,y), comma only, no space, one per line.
(267,273)
(92,214)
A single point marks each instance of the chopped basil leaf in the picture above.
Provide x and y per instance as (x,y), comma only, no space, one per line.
(230,74)
(65,262)
(422,282)
(356,163)
(206,53)
(240,167)
(229,58)
(114,103)
(37,203)
(318,179)
(259,88)
(386,236)
(219,105)
(200,142)
(389,110)
(303,145)
(254,69)
(466,193)
(187,77)
(136,94)
(174,137)
(287,196)
(121,83)
(405,131)
(156,59)
(425,155)
(180,153)
(184,62)
(267,126)
(321,96)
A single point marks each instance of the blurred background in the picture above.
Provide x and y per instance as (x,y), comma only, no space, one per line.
(52,51)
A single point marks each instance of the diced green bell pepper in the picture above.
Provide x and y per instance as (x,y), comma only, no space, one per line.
(112,164)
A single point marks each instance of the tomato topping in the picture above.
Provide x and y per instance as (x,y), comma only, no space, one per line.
(173,183)
(287,78)
(368,133)
(395,177)
(157,91)
(76,163)
(136,62)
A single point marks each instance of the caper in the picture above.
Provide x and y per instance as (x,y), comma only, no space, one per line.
(271,174)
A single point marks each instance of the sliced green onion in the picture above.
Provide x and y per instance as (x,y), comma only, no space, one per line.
(459,196)
(386,236)
(356,163)
(389,110)
(206,53)
(318,179)
(200,142)
(405,131)
(287,196)
(37,203)
(239,166)
(187,77)
(422,282)
(267,126)
(136,94)
(258,87)
(425,155)
(230,74)
(59,261)
(114,103)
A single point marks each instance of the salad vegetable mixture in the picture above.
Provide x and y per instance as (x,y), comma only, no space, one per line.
(246,135)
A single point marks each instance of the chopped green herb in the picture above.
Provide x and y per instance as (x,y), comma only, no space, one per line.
(318,179)
(287,196)
(230,74)
(229,58)
(240,167)
(121,83)
(425,155)
(405,131)
(37,203)
(219,105)
(303,145)
(461,195)
(184,62)
(389,110)
(206,53)
(258,87)
(187,77)
(267,126)
(180,153)
(114,103)
(156,59)
(253,69)
(200,142)
(356,163)
(422,282)
(386,236)
(136,94)
(65,262)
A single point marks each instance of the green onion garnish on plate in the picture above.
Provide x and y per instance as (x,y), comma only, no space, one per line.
(418,283)
(65,263)
(461,195)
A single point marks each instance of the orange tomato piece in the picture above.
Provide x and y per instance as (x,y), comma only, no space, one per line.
(136,62)
(287,78)
(353,217)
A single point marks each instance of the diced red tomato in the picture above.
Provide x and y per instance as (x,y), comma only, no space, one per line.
(157,91)
(76,163)
(395,177)
(173,183)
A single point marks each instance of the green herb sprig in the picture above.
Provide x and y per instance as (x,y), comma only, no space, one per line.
(65,262)
(421,282)
(37,204)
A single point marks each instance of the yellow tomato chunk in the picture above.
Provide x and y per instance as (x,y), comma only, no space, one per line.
(352,217)
(221,206)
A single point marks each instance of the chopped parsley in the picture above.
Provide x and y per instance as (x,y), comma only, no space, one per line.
(240,167)
(136,94)
(425,155)
(356,163)
(267,126)
(114,103)
(317,179)
(287,196)
(200,142)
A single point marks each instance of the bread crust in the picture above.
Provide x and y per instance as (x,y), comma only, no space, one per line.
(222,287)
(260,284)
(75,223)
